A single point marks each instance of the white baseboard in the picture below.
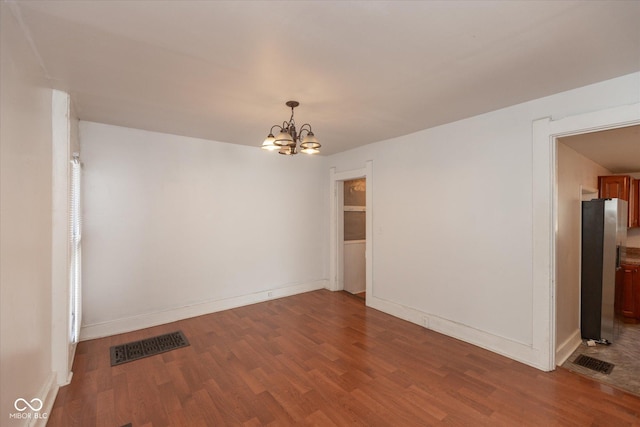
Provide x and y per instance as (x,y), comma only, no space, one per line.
(147,320)
(509,348)
(566,348)
(47,394)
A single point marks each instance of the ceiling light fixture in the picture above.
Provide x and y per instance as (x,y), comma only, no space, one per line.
(287,140)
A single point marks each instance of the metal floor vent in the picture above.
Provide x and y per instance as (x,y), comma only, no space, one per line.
(148,347)
(594,364)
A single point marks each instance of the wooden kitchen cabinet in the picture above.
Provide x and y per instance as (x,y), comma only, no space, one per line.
(621,187)
(634,203)
(630,293)
(614,186)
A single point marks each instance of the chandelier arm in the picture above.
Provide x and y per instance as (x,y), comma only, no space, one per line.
(275,126)
(303,128)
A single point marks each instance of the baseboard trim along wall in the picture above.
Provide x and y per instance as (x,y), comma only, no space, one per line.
(148,320)
(564,350)
(509,348)
(47,395)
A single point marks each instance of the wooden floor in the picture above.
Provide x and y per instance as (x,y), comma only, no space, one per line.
(323,359)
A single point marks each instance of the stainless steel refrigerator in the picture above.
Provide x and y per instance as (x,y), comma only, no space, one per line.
(604,236)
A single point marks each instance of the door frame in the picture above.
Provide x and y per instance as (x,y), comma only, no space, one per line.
(545,215)
(336,224)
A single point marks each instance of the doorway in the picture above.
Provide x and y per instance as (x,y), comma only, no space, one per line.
(581,159)
(355,210)
(545,215)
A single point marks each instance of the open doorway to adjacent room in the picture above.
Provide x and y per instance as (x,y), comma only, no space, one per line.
(354,209)
(351,238)
(581,159)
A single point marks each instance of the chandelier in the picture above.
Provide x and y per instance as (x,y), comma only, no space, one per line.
(287,140)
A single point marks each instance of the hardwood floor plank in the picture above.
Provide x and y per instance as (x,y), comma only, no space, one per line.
(122,400)
(277,413)
(319,419)
(324,359)
(105,410)
(211,412)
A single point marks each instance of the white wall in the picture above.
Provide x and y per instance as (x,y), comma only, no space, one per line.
(460,258)
(174,226)
(177,226)
(574,172)
(25,224)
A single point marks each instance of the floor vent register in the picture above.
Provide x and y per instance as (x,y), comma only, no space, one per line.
(148,347)
(594,364)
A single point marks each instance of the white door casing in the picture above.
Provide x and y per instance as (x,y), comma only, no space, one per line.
(544,151)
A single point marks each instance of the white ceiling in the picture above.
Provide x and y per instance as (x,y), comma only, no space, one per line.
(362,71)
